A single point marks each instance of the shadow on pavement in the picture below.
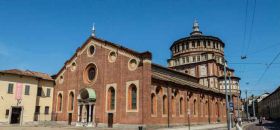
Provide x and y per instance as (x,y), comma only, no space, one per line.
(272,125)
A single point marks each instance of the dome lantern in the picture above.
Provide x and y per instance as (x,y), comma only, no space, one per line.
(195,29)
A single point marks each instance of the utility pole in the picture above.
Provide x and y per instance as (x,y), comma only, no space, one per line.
(227,105)
(254,113)
(238,103)
(247,105)
(238,109)
(230,99)
(168,120)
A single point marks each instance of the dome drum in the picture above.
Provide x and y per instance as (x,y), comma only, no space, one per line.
(190,46)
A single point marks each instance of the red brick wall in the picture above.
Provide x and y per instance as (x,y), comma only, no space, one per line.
(118,72)
(178,119)
(108,73)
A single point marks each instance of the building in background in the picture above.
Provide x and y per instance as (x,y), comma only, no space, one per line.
(25,96)
(106,84)
(202,56)
(261,97)
(253,105)
(269,106)
(257,100)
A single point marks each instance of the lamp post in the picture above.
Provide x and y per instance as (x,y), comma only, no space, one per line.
(230,100)
(227,105)
(238,114)
(247,106)
(253,102)
(238,109)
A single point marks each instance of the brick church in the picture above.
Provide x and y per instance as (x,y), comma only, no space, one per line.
(105,84)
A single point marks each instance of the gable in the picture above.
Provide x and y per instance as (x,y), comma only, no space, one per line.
(112,47)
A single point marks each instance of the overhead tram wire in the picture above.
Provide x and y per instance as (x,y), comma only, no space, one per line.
(245,63)
(267,67)
(259,50)
(244,33)
(245,27)
(251,28)
(265,48)
(250,36)
(257,90)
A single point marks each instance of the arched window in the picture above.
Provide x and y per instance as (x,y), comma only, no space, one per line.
(153,104)
(59,102)
(164,104)
(193,44)
(132,96)
(158,90)
(181,104)
(71,101)
(217,109)
(201,107)
(111,99)
(194,106)
(173,103)
(225,109)
(188,105)
(206,108)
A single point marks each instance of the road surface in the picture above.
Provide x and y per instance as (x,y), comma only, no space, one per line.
(267,125)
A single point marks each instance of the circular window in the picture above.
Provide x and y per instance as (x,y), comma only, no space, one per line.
(132,64)
(90,73)
(60,80)
(73,66)
(112,56)
(91,50)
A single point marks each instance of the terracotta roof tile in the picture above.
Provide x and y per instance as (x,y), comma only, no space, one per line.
(27,73)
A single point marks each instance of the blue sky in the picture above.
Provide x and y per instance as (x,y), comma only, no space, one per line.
(42,35)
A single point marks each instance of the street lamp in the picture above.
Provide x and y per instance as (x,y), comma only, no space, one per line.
(230,101)
(227,105)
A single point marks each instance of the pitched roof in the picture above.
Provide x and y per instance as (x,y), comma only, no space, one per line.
(166,74)
(27,73)
(276,90)
(145,54)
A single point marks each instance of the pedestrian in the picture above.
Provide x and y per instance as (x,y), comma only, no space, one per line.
(260,120)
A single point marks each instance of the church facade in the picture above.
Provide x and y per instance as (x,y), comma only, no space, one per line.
(105,84)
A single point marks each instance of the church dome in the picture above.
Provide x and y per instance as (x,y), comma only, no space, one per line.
(197,37)
(197,42)
(196,48)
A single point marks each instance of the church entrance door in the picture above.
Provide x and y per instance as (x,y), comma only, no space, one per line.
(86,108)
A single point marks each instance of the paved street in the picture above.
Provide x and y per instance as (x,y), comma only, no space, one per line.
(267,125)
(195,127)
(50,128)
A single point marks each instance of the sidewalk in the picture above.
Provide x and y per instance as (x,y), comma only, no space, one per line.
(246,124)
(198,127)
